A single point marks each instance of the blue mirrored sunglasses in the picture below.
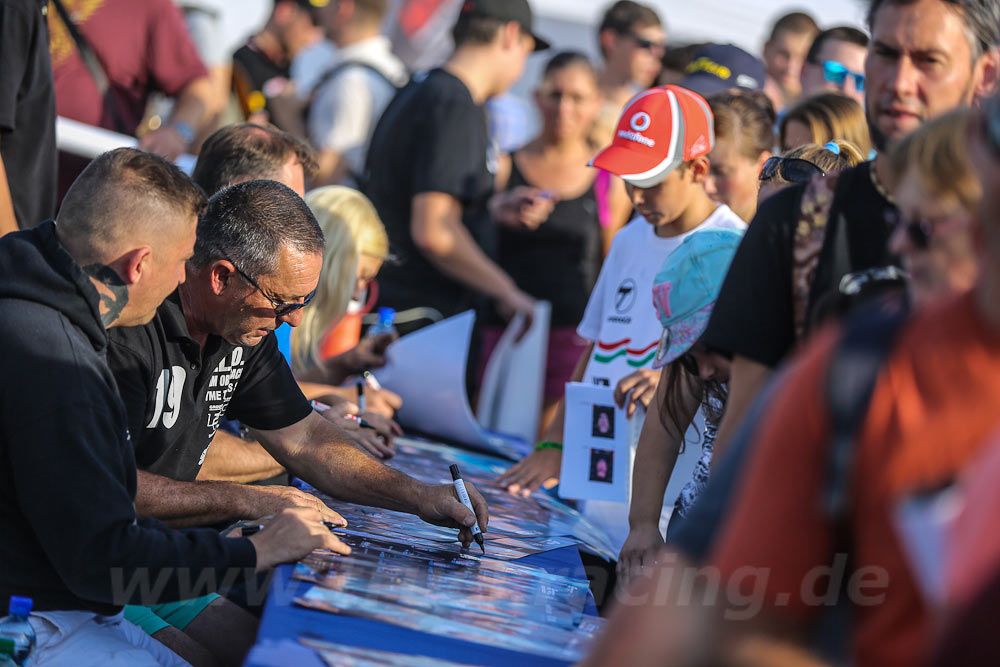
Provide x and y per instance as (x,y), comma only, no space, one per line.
(837,73)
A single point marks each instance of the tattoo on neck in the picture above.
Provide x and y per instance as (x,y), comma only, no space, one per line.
(112,290)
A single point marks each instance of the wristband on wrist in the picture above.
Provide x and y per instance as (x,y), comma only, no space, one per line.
(546,444)
(185,131)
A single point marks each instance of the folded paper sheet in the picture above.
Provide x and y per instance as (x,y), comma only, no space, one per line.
(427,368)
(512,389)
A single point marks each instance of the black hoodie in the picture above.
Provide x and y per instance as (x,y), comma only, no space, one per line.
(69,537)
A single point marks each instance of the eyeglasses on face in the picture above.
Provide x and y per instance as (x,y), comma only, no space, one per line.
(281,308)
(920,231)
(647,44)
(836,73)
(791,169)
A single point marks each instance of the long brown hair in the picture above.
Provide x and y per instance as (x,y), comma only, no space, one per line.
(712,397)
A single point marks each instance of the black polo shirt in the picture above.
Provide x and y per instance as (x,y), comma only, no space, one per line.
(176,393)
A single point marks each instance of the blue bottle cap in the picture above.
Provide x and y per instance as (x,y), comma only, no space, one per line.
(20,606)
(386,314)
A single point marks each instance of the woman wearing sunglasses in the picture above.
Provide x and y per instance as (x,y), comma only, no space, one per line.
(937,193)
(802,164)
(691,389)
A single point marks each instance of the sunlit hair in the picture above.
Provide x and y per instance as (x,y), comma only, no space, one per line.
(352,228)
(936,154)
(746,116)
(830,117)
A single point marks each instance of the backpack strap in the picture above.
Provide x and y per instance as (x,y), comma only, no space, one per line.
(329,74)
(855,366)
(810,232)
(94,66)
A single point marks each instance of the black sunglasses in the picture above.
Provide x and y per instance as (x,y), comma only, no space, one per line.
(792,169)
(281,308)
(646,44)
(918,230)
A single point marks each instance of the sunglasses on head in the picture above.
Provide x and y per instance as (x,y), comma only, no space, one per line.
(281,308)
(646,44)
(792,169)
(837,73)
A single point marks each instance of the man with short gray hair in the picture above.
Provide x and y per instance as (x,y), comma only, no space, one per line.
(208,353)
(72,540)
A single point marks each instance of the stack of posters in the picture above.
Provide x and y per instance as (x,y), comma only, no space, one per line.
(412,574)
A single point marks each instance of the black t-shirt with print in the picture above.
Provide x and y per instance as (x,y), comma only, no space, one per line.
(753,316)
(431,138)
(176,393)
(27,111)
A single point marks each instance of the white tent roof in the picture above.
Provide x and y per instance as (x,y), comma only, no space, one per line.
(742,22)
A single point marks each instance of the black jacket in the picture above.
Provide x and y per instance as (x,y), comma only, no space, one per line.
(69,537)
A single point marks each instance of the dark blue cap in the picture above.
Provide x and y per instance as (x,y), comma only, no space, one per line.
(719,67)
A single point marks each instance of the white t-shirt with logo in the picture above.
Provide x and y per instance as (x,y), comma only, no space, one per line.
(622,323)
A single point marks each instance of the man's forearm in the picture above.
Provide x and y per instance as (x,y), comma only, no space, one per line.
(181,504)
(441,237)
(324,456)
(194,106)
(232,459)
(8,221)
(468,264)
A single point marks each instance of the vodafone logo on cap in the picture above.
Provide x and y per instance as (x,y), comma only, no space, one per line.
(640,121)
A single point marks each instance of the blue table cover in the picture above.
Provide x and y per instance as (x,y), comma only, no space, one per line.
(283,623)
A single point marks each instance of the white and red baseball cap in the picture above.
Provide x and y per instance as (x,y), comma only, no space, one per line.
(660,129)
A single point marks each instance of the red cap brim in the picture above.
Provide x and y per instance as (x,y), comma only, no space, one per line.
(640,168)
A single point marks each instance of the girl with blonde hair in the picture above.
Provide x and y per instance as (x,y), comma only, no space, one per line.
(356,247)
(823,118)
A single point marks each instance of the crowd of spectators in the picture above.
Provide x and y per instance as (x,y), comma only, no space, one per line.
(788,261)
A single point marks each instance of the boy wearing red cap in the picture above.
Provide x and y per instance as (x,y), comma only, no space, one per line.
(660,150)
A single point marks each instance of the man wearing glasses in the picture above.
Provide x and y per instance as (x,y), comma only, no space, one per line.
(208,354)
(836,63)
(632,39)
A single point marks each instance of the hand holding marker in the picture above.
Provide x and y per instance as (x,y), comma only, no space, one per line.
(463,495)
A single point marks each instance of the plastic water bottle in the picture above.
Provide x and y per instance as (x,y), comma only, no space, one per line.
(17,628)
(386,317)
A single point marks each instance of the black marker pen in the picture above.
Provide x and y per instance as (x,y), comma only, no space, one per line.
(463,495)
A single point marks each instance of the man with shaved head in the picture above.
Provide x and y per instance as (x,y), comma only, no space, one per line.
(71,538)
